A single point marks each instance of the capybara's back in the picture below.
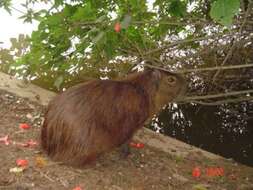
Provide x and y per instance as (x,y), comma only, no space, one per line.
(94,117)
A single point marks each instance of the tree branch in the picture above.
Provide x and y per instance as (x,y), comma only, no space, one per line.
(222,101)
(215,68)
(233,93)
(200,69)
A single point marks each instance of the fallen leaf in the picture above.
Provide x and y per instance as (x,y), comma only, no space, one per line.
(5,140)
(19,144)
(40,162)
(16,170)
(30,143)
(199,187)
(232,177)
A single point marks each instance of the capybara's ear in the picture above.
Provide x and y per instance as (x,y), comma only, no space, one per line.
(156,74)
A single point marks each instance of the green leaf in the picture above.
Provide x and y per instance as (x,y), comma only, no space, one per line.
(57,3)
(6,4)
(55,19)
(68,10)
(111,43)
(223,11)
(84,13)
(177,8)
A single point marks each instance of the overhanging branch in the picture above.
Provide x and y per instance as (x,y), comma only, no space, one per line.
(233,93)
(201,69)
(215,103)
(216,68)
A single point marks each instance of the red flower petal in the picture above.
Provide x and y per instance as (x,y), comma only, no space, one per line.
(22,162)
(196,172)
(139,145)
(136,145)
(24,126)
(77,188)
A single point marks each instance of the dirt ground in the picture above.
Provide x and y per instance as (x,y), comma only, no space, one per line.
(146,168)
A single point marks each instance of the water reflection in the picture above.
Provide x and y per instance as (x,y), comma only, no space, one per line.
(226,130)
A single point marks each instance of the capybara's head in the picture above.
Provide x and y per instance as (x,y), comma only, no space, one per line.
(168,87)
(171,84)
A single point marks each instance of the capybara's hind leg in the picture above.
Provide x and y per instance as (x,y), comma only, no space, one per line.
(125,149)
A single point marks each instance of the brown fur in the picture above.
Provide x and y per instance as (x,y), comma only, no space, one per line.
(94,117)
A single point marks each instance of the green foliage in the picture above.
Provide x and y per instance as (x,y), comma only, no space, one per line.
(6,4)
(85,13)
(223,11)
(19,47)
(177,8)
(79,37)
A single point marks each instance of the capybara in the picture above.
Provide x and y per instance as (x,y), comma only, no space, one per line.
(94,117)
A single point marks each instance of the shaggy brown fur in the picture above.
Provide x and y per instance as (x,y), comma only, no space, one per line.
(94,117)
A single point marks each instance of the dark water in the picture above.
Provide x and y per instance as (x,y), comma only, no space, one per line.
(224,130)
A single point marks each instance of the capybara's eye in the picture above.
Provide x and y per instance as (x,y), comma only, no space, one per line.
(171,80)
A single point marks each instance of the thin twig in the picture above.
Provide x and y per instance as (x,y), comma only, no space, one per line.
(232,93)
(199,69)
(44,175)
(159,22)
(15,9)
(215,68)
(215,103)
(153,22)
